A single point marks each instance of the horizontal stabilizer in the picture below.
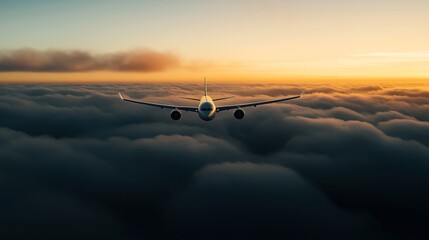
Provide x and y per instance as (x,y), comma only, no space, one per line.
(218,99)
(194,99)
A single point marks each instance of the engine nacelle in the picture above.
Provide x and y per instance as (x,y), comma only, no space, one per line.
(239,113)
(175,115)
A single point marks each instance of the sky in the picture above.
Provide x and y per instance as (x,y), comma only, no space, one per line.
(225,40)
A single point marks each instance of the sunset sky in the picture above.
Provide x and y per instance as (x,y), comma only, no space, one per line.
(223,40)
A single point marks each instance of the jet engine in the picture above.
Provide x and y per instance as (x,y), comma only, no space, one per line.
(175,114)
(239,113)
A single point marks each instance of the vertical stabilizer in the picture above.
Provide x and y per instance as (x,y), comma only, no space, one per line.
(205,86)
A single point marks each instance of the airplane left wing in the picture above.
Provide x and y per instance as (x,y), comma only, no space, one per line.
(160,105)
(228,107)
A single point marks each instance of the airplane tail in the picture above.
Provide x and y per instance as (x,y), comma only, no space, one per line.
(205,86)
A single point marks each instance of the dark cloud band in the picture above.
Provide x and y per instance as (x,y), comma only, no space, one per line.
(30,60)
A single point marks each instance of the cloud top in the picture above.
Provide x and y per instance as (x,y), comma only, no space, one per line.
(340,163)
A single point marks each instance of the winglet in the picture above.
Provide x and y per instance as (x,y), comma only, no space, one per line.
(120,95)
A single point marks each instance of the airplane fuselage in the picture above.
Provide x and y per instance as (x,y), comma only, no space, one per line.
(206,108)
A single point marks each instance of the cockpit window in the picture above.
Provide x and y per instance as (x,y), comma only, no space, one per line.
(206,107)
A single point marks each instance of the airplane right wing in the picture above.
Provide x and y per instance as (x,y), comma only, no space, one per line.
(160,105)
(228,107)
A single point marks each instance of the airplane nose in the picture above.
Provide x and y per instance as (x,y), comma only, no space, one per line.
(206,111)
(206,115)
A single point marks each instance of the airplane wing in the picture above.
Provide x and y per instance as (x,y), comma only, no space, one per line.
(228,107)
(184,108)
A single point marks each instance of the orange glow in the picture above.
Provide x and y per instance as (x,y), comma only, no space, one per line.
(352,67)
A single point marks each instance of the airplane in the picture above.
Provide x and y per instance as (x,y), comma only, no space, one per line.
(206,108)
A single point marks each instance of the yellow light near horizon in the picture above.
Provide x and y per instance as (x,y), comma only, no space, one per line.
(366,67)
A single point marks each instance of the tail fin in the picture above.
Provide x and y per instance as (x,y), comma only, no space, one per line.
(205,86)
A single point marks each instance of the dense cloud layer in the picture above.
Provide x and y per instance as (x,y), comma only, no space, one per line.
(30,60)
(343,162)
